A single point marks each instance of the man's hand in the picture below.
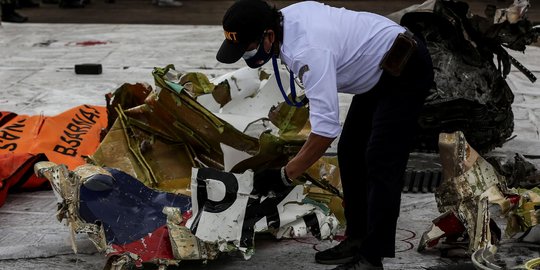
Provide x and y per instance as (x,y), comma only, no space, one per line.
(274,179)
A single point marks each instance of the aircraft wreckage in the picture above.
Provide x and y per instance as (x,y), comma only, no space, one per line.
(476,199)
(164,174)
(180,177)
(470,92)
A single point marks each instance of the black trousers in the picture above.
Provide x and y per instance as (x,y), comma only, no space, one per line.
(373,151)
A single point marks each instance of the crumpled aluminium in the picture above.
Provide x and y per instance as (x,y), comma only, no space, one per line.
(226,212)
(469,183)
(475,202)
(128,221)
(134,224)
(159,143)
(470,93)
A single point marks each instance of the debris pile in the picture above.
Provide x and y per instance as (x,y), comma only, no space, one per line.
(172,181)
(477,205)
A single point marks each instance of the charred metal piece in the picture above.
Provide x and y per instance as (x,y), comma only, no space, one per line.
(470,92)
(519,171)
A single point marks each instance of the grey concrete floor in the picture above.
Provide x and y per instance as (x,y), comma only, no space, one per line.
(31,237)
(36,76)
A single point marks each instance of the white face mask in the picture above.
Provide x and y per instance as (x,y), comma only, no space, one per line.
(258,57)
(249,54)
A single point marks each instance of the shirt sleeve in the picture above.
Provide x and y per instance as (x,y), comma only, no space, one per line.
(319,79)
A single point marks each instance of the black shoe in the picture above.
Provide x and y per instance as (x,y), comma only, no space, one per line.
(14,18)
(360,264)
(342,253)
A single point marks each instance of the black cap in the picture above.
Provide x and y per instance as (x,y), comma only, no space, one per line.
(243,23)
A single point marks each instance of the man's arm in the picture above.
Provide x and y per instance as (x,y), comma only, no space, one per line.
(311,151)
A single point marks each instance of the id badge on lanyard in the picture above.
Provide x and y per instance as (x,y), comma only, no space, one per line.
(290,102)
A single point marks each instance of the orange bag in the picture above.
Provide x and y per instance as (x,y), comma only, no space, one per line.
(17,173)
(64,138)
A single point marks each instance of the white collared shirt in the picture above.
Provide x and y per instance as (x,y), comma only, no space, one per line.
(338,50)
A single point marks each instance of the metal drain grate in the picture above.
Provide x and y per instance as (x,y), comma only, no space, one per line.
(421,181)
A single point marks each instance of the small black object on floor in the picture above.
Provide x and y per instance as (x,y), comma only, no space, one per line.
(91,69)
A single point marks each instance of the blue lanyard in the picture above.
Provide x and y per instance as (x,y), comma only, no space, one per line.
(292,102)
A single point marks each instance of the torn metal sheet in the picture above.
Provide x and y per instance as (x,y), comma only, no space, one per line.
(179,117)
(321,182)
(150,158)
(143,132)
(198,84)
(466,178)
(291,121)
(225,212)
(185,245)
(122,217)
(247,100)
(466,175)
(126,96)
(244,85)
(66,190)
(476,203)
(448,225)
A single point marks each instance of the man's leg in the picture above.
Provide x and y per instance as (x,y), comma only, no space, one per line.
(352,163)
(393,130)
(351,157)
(395,125)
